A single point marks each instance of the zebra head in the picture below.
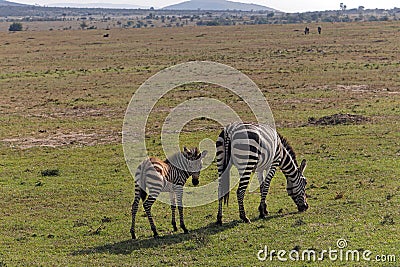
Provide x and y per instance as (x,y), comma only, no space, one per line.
(194,157)
(297,188)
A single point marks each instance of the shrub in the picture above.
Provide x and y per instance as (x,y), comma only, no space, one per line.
(16,26)
(50,172)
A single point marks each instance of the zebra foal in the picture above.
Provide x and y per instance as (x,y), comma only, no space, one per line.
(170,176)
(257,148)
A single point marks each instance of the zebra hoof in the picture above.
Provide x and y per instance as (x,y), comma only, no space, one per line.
(263,214)
(175,228)
(219,220)
(156,236)
(245,219)
(263,210)
(185,230)
(133,234)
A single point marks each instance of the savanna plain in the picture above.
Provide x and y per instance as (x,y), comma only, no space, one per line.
(66,191)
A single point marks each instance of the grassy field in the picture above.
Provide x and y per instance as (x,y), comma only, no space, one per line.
(65,188)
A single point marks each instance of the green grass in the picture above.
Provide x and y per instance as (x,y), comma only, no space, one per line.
(61,113)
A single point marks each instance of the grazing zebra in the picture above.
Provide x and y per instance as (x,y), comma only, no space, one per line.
(165,176)
(257,148)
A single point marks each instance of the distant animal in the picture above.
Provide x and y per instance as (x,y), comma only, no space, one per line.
(165,176)
(106,35)
(319,30)
(257,148)
(306,30)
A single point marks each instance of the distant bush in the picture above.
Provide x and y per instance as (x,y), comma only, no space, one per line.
(373,18)
(83,25)
(384,18)
(50,172)
(15,27)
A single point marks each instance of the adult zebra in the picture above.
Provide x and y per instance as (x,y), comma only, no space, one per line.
(165,176)
(257,148)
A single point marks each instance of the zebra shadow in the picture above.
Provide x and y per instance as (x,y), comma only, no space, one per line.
(199,236)
(275,216)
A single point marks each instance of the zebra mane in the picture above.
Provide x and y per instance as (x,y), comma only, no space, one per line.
(288,147)
(193,154)
(176,157)
(178,160)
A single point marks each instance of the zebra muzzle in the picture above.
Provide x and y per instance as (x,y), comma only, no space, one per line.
(195,181)
(302,208)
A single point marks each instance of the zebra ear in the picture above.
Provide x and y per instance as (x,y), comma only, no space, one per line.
(203,154)
(186,150)
(303,166)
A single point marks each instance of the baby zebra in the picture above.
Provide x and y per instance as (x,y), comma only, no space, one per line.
(170,176)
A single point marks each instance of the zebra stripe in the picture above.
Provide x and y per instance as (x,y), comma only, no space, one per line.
(256,148)
(156,176)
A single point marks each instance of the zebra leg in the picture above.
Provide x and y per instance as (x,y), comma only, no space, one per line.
(244,182)
(264,192)
(173,209)
(147,207)
(134,211)
(179,193)
(219,215)
(262,208)
(223,187)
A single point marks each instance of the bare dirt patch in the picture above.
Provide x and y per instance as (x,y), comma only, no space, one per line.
(337,119)
(65,139)
(354,88)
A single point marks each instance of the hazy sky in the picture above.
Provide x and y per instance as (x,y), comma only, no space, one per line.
(283,5)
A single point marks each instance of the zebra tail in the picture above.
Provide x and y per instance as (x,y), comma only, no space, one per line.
(226,199)
(140,181)
(226,179)
(142,194)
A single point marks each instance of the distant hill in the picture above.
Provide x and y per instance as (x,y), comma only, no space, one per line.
(217,5)
(7,3)
(97,5)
